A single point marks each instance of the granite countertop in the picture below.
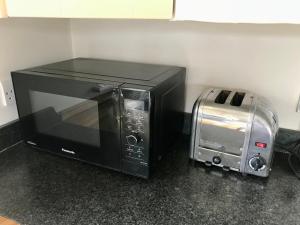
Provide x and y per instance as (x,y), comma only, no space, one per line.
(40,188)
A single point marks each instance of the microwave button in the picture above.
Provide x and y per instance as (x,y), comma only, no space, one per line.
(134,139)
(129,127)
(128,120)
(140,152)
(129,113)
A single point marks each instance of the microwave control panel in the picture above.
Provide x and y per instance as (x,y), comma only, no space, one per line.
(135,125)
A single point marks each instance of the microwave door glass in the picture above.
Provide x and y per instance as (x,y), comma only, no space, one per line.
(68,118)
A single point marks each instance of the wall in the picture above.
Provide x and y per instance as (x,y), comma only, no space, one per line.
(261,58)
(30,42)
(237,11)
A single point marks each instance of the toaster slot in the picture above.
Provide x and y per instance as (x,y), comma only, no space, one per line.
(237,99)
(222,97)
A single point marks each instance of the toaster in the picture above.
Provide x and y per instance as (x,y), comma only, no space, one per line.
(235,130)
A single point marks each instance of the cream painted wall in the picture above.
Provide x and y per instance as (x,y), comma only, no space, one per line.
(260,58)
(30,42)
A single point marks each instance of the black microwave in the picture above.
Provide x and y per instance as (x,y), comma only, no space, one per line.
(119,115)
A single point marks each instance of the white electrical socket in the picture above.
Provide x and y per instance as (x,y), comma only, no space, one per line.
(7,93)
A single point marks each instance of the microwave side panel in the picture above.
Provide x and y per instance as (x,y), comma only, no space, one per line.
(21,99)
(168,114)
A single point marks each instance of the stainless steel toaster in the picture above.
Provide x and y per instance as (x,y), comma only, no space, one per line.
(235,130)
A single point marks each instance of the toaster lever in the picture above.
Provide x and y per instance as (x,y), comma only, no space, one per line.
(211,145)
(226,168)
(207,163)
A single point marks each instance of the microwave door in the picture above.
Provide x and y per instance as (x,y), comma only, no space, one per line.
(67,118)
(73,118)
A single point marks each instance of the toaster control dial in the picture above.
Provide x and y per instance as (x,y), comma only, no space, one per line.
(133,139)
(257,163)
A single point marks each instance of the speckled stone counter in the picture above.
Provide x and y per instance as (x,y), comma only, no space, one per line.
(37,188)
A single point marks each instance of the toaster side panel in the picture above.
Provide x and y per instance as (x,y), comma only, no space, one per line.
(260,149)
(196,123)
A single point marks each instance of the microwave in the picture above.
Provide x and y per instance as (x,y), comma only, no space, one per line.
(119,115)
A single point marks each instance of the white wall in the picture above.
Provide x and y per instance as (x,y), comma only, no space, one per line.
(261,58)
(237,11)
(30,42)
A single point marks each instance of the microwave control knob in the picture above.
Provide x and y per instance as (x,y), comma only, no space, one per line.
(133,139)
(257,163)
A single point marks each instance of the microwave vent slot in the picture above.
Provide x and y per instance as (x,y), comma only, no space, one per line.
(222,97)
(237,99)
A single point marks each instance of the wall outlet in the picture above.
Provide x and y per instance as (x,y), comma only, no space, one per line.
(7,93)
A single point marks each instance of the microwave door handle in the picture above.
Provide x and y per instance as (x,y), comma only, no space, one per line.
(104,89)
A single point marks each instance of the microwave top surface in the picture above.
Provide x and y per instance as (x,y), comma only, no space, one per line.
(119,71)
